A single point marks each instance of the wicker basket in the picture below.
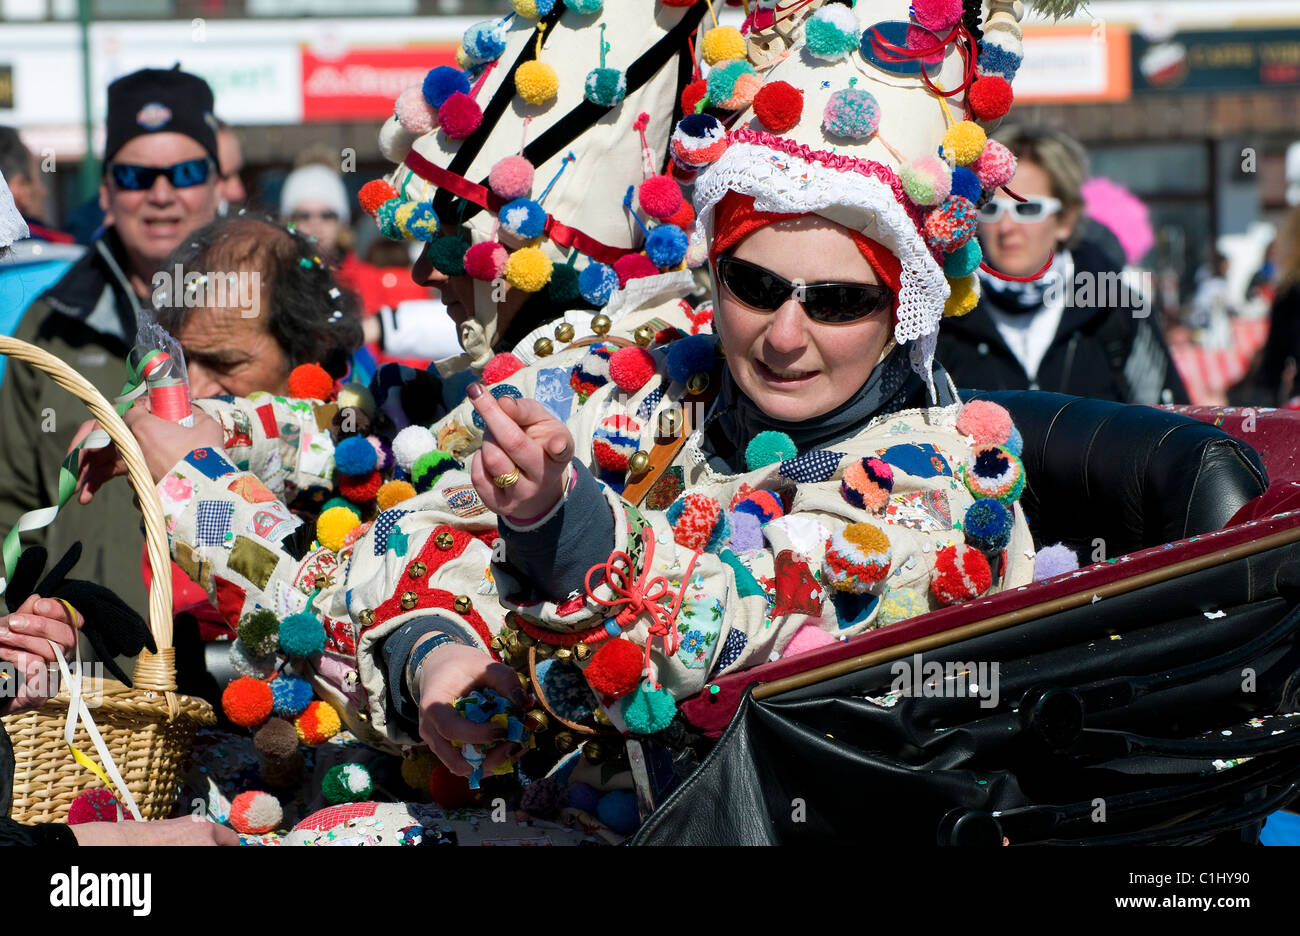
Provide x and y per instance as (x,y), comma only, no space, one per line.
(147,729)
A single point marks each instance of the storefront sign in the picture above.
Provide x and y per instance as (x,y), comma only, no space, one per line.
(362,84)
(1074,64)
(1242,59)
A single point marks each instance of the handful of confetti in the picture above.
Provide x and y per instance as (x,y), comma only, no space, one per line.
(487,705)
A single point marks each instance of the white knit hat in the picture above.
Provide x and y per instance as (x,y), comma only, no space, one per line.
(315,183)
(12,226)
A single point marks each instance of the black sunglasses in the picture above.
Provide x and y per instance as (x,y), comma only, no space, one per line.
(828,303)
(185,174)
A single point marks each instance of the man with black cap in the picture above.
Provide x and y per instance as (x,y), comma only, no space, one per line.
(159,185)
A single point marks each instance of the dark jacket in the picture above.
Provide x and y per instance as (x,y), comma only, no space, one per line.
(13,833)
(1098,351)
(88,319)
(1283,345)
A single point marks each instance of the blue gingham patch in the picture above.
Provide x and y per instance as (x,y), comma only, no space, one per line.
(214,522)
(811,467)
(649,403)
(384,525)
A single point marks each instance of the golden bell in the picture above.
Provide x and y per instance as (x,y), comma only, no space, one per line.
(638,464)
(536,721)
(643,335)
(366,617)
(601,324)
(670,422)
(461,604)
(409,600)
(563,653)
(322,580)
(565,742)
(564,332)
(497,643)
(444,540)
(697,383)
(594,752)
(582,652)
(543,347)
(417,569)
(525,681)
(602,718)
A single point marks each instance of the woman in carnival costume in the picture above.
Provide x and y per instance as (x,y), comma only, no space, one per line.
(694,507)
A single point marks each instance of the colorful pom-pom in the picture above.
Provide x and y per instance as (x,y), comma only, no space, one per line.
(666,246)
(447,254)
(618,810)
(486,261)
(965,184)
(310,382)
(393,493)
(698,140)
(901,605)
(247,702)
(769,448)
(808,637)
(354,456)
(246,663)
(318,723)
(500,367)
(410,444)
(255,813)
(533,9)
(523,218)
(691,355)
(459,116)
(692,94)
(721,44)
(597,282)
(417,221)
(993,472)
(952,224)
(648,710)
(96,805)
(764,505)
(592,370)
(963,295)
(778,106)
(429,467)
(960,573)
(290,695)
(394,140)
(615,440)
(605,87)
(867,484)
(851,113)
(346,783)
(660,197)
(986,422)
(441,83)
(1053,560)
(633,266)
(485,41)
(964,142)
(302,635)
(927,181)
(386,219)
(989,98)
(414,113)
(699,522)
(963,261)
(857,558)
(511,178)
(260,631)
(832,33)
(987,525)
(937,15)
(537,82)
(373,194)
(1015,443)
(360,489)
(727,84)
(996,165)
(615,668)
(529,269)
(631,368)
(333,526)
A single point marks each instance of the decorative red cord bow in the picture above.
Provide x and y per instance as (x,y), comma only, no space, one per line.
(644,595)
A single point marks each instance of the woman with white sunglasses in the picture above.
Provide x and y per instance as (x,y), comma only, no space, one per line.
(1081,328)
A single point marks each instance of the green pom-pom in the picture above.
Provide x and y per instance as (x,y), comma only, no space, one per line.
(429,467)
(346,783)
(606,87)
(260,632)
(386,217)
(447,254)
(302,635)
(586,7)
(647,711)
(563,287)
(340,502)
(827,38)
(769,448)
(964,260)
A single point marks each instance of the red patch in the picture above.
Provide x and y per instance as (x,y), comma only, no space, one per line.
(266,413)
(230,600)
(338,637)
(797,591)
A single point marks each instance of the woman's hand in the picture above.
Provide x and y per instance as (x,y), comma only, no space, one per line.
(163,443)
(522,436)
(447,674)
(25,639)
(187,830)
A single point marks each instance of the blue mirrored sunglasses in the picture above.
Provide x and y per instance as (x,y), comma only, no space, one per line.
(185,174)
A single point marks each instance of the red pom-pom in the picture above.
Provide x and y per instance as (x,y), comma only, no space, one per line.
(660,197)
(615,669)
(96,805)
(486,261)
(671,333)
(450,791)
(778,106)
(459,116)
(373,194)
(360,489)
(310,382)
(692,94)
(684,217)
(500,367)
(960,573)
(247,702)
(634,266)
(989,98)
(630,368)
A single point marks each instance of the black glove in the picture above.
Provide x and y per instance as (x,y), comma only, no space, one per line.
(111,627)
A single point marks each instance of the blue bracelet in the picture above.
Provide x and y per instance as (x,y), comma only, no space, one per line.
(421,651)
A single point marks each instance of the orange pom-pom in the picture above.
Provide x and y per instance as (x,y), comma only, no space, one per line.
(393,493)
(247,702)
(311,382)
(360,489)
(373,194)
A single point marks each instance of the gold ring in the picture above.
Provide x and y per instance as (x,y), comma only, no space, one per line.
(506,480)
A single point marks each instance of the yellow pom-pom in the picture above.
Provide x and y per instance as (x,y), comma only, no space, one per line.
(333,527)
(417,768)
(963,295)
(393,493)
(536,82)
(318,723)
(964,142)
(402,217)
(463,61)
(526,8)
(868,538)
(529,269)
(354,395)
(721,44)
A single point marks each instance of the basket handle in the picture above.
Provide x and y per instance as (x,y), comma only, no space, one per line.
(152,671)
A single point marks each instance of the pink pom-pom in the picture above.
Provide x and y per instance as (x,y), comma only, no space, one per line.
(512,178)
(413,111)
(987,422)
(459,116)
(660,197)
(97,805)
(633,266)
(808,637)
(486,261)
(743,92)
(938,15)
(500,367)
(995,166)
(631,368)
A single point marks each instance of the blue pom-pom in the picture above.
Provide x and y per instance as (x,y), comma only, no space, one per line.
(966,184)
(442,82)
(302,635)
(355,456)
(618,810)
(484,42)
(523,218)
(290,695)
(584,797)
(768,448)
(690,355)
(987,525)
(586,7)
(666,246)
(997,61)
(597,282)
(1015,443)
(648,711)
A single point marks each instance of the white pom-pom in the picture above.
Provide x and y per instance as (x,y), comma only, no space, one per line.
(395,140)
(410,444)
(245,664)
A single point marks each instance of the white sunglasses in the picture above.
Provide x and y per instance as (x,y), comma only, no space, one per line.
(1028,211)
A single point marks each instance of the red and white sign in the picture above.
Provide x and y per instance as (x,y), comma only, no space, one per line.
(362,84)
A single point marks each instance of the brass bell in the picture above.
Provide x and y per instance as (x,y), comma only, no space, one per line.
(461,604)
(594,752)
(444,540)
(601,324)
(525,682)
(536,721)
(564,332)
(497,643)
(322,580)
(417,569)
(638,464)
(670,423)
(366,617)
(643,335)
(545,651)
(564,654)
(697,383)
(565,742)
(543,347)
(409,600)
(582,652)
(602,718)
(363,716)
